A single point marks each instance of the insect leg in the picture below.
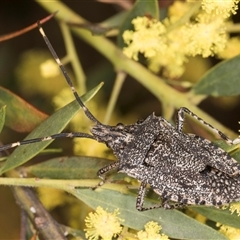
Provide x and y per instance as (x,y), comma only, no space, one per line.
(140,199)
(212,154)
(102,172)
(164,204)
(180,122)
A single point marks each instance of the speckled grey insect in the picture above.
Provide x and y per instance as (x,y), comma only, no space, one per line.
(181,168)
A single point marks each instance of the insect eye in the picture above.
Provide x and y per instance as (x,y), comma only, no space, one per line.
(140,121)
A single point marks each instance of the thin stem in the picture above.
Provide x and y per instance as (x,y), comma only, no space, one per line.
(70,186)
(114,95)
(233,28)
(36,182)
(167,111)
(24,30)
(72,56)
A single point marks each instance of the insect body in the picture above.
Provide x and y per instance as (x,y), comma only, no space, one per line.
(179,167)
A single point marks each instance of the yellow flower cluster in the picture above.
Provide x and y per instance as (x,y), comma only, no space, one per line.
(49,69)
(206,37)
(224,8)
(103,224)
(167,45)
(149,32)
(106,226)
(235,207)
(33,73)
(152,230)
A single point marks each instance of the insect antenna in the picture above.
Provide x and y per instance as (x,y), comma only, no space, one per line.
(77,97)
(41,139)
(66,76)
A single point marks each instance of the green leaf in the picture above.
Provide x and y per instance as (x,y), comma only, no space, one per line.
(174,223)
(95,29)
(141,8)
(218,215)
(115,20)
(77,167)
(236,154)
(2,117)
(221,80)
(52,125)
(20,115)
(68,168)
